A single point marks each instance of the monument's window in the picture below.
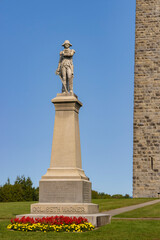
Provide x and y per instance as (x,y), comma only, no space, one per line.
(152,163)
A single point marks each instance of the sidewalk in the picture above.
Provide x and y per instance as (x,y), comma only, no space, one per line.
(155,219)
(130,208)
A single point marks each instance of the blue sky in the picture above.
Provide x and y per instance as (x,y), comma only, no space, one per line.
(102,34)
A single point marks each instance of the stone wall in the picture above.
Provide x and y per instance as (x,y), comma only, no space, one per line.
(146,149)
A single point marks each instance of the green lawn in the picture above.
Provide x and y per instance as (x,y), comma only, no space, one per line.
(11,209)
(117,230)
(108,204)
(145,212)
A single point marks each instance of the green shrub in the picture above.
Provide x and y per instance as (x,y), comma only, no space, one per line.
(21,190)
(102,195)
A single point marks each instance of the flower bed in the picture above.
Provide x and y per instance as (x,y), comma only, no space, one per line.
(54,224)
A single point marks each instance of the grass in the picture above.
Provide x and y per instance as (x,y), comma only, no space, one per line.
(108,204)
(11,209)
(152,211)
(117,230)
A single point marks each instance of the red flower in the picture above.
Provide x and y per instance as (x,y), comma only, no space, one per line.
(57,220)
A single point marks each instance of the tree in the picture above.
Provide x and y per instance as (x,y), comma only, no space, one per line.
(21,190)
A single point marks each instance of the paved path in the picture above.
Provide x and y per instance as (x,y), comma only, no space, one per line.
(136,218)
(130,208)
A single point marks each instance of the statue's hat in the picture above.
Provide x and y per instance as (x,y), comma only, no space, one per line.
(66,41)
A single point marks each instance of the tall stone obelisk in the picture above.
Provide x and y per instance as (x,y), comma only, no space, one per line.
(146,150)
(65,189)
(65,181)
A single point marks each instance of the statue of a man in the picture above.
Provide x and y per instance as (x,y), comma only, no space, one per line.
(65,67)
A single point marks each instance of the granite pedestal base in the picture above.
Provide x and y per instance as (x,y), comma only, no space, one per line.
(87,210)
(64,191)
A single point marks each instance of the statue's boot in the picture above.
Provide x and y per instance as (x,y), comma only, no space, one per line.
(71,87)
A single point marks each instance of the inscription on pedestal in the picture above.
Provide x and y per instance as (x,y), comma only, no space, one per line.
(59,191)
(58,210)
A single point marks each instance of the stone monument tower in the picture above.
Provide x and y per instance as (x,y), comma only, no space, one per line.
(65,189)
(146,149)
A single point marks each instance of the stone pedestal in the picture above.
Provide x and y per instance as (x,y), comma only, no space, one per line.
(65,189)
(65,181)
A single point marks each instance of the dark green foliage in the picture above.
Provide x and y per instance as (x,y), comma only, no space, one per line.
(36,194)
(102,195)
(94,194)
(21,190)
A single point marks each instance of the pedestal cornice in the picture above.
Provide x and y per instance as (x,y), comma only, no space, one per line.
(66,103)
